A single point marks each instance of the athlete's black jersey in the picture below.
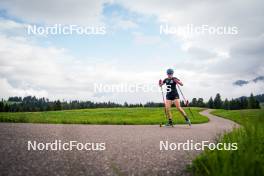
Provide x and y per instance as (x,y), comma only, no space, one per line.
(171,84)
(172,92)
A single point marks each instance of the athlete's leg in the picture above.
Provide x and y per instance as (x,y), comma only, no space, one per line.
(168,108)
(178,106)
(168,111)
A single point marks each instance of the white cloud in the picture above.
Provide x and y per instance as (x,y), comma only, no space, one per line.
(146,39)
(246,15)
(126,24)
(8,90)
(10,25)
(211,64)
(80,12)
(28,69)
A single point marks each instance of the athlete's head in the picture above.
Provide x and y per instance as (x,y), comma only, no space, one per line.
(170,72)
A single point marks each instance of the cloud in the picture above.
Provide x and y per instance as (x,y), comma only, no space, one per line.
(240,82)
(29,69)
(259,78)
(80,12)
(8,90)
(126,24)
(10,25)
(117,23)
(52,72)
(212,49)
(241,52)
(146,39)
(244,82)
(205,63)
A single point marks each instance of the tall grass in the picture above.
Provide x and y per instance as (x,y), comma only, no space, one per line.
(248,160)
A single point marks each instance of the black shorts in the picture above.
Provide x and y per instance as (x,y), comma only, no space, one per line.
(172,96)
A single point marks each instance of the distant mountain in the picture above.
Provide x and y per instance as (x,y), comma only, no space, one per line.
(259,97)
(244,82)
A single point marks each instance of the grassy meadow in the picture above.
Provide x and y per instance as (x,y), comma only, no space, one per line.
(119,116)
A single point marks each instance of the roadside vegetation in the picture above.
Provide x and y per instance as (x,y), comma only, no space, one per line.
(126,116)
(248,160)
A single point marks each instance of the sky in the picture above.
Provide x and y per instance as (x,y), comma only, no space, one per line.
(132,50)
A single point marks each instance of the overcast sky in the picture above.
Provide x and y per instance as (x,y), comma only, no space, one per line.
(132,51)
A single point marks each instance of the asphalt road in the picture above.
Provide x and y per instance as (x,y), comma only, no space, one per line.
(130,149)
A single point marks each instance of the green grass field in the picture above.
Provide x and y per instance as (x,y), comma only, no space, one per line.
(122,116)
(248,160)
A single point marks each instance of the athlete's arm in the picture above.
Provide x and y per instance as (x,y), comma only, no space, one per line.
(161,82)
(178,81)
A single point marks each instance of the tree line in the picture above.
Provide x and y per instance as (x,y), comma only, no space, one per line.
(251,102)
(32,104)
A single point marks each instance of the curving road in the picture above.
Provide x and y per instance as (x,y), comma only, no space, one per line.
(130,149)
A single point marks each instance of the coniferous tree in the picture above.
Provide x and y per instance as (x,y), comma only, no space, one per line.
(1,106)
(252,103)
(194,102)
(57,105)
(182,103)
(260,98)
(218,103)
(211,103)
(200,102)
(243,103)
(226,104)
(125,104)
(257,104)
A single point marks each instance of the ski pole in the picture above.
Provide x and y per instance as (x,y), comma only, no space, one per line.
(164,102)
(163,98)
(186,101)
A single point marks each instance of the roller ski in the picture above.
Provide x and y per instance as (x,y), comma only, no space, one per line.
(188,121)
(168,124)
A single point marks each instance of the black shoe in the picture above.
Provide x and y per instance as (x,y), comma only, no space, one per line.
(170,122)
(188,121)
